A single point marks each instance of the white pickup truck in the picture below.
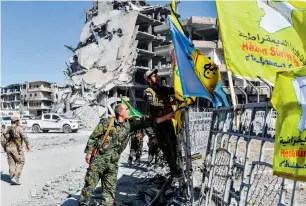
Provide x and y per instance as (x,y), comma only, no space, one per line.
(5,122)
(51,121)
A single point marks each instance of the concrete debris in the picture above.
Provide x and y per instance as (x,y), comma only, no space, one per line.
(104,59)
(89,115)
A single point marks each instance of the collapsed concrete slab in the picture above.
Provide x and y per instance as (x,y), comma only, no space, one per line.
(116,42)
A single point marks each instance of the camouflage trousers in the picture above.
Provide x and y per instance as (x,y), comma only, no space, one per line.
(104,168)
(167,141)
(153,146)
(136,148)
(15,160)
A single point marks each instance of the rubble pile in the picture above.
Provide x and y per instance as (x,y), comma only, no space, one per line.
(57,190)
(104,59)
(89,115)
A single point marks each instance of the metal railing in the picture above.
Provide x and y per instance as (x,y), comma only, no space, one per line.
(238,161)
(199,126)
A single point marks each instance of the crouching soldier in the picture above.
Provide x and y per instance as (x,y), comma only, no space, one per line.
(112,134)
(12,140)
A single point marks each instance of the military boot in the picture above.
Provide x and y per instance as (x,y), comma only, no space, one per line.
(177,175)
(15,180)
(137,161)
(130,163)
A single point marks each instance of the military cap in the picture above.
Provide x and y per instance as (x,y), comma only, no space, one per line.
(14,118)
(149,73)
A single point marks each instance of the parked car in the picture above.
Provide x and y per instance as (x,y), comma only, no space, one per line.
(52,121)
(5,122)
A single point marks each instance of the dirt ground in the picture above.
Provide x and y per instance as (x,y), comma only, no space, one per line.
(55,168)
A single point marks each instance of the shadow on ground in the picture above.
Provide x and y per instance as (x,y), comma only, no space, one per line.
(72,201)
(5,178)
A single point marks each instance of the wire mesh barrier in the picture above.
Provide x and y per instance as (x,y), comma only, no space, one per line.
(238,161)
(199,126)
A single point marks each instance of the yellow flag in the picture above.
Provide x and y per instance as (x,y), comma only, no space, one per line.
(261,38)
(295,13)
(290,135)
(173,14)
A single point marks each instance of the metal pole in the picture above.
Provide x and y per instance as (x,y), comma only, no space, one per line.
(188,154)
(266,83)
(245,94)
(293,194)
(252,85)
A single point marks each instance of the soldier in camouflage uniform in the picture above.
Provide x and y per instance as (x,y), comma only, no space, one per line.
(137,143)
(12,140)
(105,164)
(157,97)
(136,146)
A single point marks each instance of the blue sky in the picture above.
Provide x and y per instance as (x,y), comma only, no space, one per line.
(33,35)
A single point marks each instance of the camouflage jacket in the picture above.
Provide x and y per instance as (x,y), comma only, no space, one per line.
(20,134)
(118,137)
(156,97)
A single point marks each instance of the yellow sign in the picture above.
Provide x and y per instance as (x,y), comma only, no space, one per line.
(289,100)
(262,37)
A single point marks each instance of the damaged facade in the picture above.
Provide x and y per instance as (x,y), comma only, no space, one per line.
(31,97)
(117,45)
(119,42)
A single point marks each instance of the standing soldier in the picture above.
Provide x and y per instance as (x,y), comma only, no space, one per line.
(12,140)
(136,146)
(112,135)
(158,98)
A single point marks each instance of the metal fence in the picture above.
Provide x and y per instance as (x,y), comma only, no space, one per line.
(199,126)
(238,161)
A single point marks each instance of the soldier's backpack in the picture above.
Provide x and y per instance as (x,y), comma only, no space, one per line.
(11,133)
(11,137)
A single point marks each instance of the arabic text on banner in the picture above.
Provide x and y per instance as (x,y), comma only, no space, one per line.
(258,37)
(289,100)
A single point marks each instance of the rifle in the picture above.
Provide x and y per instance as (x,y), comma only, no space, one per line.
(100,143)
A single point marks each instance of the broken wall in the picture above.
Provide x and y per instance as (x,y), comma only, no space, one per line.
(104,58)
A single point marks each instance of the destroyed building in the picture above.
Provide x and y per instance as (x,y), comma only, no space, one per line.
(116,48)
(119,42)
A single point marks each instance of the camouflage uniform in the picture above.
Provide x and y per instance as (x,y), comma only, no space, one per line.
(137,144)
(156,98)
(13,149)
(105,165)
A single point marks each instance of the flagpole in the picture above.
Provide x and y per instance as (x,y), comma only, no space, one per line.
(233,96)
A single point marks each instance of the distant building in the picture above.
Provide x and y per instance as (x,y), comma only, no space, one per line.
(11,98)
(31,97)
(39,97)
